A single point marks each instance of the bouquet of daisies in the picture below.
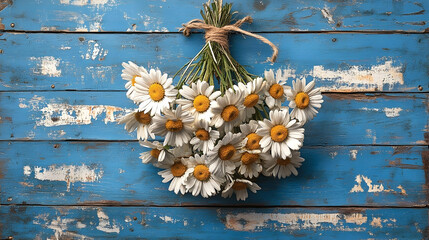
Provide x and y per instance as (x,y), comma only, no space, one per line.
(218,136)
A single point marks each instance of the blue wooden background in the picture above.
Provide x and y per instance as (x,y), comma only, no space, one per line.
(68,171)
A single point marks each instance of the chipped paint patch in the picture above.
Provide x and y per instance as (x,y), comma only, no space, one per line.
(353,154)
(67,173)
(59,226)
(392,112)
(104,223)
(95,51)
(326,13)
(296,221)
(373,188)
(47,65)
(60,114)
(87,2)
(358,78)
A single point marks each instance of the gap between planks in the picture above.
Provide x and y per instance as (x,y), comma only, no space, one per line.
(426,31)
(333,207)
(124,91)
(130,141)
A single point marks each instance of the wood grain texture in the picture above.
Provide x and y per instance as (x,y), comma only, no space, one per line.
(102,173)
(389,119)
(27,222)
(339,62)
(167,16)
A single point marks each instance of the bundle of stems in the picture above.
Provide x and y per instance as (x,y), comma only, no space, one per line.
(213,61)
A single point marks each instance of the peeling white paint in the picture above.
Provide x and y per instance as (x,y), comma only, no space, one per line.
(296,221)
(87,2)
(371,135)
(60,226)
(95,51)
(333,154)
(104,223)
(353,154)
(389,112)
(376,222)
(392,112)
(67,173)
(80,225)
(166,219)
(47,65)
(27,170)
(60,114)
(327,15)
(359,78)
(65,48)
(373,188)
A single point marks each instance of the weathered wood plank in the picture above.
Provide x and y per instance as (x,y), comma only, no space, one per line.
(149,15)
(100,173)
(339,62)
(345,119)
(25,222)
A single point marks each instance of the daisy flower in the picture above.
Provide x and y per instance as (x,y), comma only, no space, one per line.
(281,167)
(198,99)
(154,92)
(140,121)
(175,172)
(228,110)
(280,134)
(224,155)
(275,89)
(200,179)
(253,96)
(130,72)
(183,151)
(158,155)
(249,164)
(304,100)
(176,126)
(239,187)
(251,140)
(205,136)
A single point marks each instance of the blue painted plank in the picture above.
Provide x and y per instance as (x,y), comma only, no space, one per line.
(392,119)
(22,222)
(353,62)
(104,173)
(149,15)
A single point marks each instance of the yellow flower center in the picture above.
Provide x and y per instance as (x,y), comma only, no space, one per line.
(276,91)
(201,172)
(226,152)
(155,153)
(230,113)
(156,92)
(249,158)
(239,186)
(174,125)
(279,133)
(143,118)
(178,169)
(253,141)
(283,161)
(133,80)
(302,100)
(201,103)
(251,100)
(202,134)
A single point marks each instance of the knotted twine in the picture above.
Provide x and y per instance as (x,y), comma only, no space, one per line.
(220,35)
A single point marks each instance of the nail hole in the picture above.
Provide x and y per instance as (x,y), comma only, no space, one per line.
(420,88)
(12,25)
(334,39)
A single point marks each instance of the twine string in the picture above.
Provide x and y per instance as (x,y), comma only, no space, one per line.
(220,35)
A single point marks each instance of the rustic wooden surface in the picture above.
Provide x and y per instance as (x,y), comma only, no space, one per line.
(68,171)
